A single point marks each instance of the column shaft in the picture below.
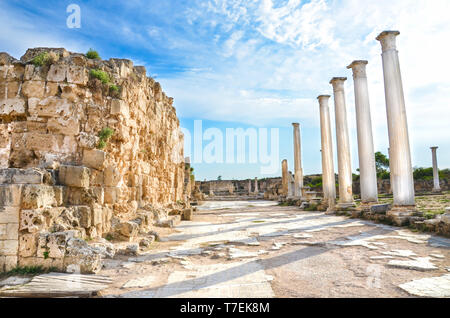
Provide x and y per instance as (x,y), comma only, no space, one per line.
(368,171)
(401,167)
(328,176)
(298,161)
(343,144)
(285,178)
(437,186)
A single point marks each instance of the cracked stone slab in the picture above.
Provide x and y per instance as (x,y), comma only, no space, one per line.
(435,287)
(381,257)
(140,282)
(14,281)
(419,264)
(234,253)
(59,285)
(439,256)
(400,253)
(302,236)
(236,280)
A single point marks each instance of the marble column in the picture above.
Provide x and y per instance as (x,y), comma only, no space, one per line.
(437,186)
(285,178)
(328,176)
(256,186)
(249,186)
(400,161)
(298,161)
(367,167)
(343,145)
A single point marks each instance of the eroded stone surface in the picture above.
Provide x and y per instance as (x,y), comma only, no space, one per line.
(436,287)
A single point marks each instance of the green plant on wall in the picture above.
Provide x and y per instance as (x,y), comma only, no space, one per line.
(101,75)
(93,55)
(104,136)
(41,59)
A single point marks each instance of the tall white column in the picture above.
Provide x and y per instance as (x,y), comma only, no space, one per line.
(285,178)
(368,171)
(437,186)
(298,162)
(401,167)
(249,186)
(328,176)
(390,173)
(256,186)
(343,145)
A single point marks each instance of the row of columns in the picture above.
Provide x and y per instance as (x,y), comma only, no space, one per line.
(402,181)
(400,157)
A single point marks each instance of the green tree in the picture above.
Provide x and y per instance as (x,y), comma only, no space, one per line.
(219,178)
(382,165)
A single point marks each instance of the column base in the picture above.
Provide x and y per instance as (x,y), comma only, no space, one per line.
(437,190)
(400,215)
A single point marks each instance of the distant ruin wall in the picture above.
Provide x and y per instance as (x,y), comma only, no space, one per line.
(58,171)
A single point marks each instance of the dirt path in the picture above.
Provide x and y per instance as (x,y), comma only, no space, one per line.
(256,250)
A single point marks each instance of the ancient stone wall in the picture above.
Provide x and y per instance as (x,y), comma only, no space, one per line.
(60,177)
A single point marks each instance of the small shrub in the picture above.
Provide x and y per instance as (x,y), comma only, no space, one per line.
(104,136)
(92,55)
(109,237)
(312,208)
(46,254)
(41,59)
(113,88)
(101,75)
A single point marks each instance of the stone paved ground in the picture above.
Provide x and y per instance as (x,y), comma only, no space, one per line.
(257,250)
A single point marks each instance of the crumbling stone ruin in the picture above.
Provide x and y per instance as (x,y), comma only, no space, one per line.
(89,150)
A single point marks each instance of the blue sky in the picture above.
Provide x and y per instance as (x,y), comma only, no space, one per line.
(236,63)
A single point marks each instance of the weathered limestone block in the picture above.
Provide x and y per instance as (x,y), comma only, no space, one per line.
(40,142)
(35,89)
(52,106)
(79,196)
(21,176)
(111,194)
(28,245)
(9,90)
(38,196)
(10,108)
(10,195)
(94,159)
(60,125)
(120,107)
(81,256)
(97,215)
(9,231)
(32,221)
(57,73)
(88,141)
(112,177)
(188,214)
(74,176)
(128,229)
(9,215)
(8,263)
(9,247)
(77,75)
(84,213)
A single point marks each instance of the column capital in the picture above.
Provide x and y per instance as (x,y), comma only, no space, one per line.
(338,83)
(322,97)
(388,39)
(434,148)
(296,125)
(358,68)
